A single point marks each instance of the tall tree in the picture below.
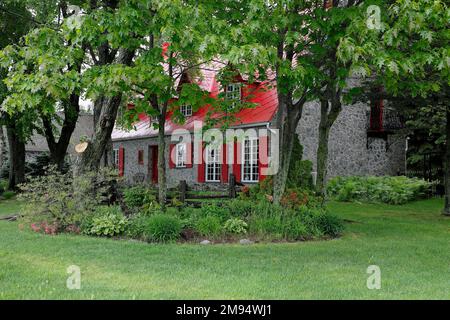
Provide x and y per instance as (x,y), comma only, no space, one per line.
(53,57)
(293,45)
(336,72)
(412,58)
(167,56)
(111,40)
(15,21)
(35,82)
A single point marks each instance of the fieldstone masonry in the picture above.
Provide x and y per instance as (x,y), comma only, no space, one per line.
(351,151)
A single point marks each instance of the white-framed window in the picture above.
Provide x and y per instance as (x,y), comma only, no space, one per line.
(233,91)
(250,168)
(186,110)
(116,158)
(213,165)
(181,152)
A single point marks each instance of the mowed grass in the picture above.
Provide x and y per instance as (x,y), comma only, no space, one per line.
(9,207)
(410,244)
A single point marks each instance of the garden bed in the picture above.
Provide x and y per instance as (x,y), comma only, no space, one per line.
(54,206)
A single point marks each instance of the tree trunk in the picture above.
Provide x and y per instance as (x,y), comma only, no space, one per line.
(446,210)
(162,185)
(108,156)
(287,119)
(16,158)
(92,156)
(330,108)
(2,146)
(322,148)
(58,149)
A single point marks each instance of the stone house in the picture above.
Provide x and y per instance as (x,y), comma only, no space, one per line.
(38,144)
(362,141)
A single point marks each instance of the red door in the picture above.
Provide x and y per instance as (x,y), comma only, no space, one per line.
(154,164)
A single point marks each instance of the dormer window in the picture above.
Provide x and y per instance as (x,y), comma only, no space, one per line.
(186,110)
(233,91)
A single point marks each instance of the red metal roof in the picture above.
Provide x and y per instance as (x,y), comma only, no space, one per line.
(264,96)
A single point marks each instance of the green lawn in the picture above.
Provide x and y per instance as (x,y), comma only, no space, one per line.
(410,243)
(8,207)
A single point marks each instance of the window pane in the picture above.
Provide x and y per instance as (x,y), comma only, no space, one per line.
(250,165)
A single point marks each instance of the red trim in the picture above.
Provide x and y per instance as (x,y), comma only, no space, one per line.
(171,156)
(155,164)
(121,161)
(381,106)
(263,159)
(141,156)
(236,163)
(189,155)
(201,165)
(224,164)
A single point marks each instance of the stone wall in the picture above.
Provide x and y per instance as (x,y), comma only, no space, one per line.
(386,156)
(132,168)
(351,152)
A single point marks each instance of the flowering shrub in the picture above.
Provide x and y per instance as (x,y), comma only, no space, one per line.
(60,200)
(45,227)
(73,229)
(294,199)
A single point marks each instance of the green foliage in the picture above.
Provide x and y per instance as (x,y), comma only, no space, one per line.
(392,190)
(299,175)
(240,208)
(221,212)
(296,198)
(107,221)
(265,187)
(236,226)
(138,196)
(60,199)
(8,194)
(163,228)
(209,226)
(275,222)
(137,227)
(41,162)
(138,224)
(3,185)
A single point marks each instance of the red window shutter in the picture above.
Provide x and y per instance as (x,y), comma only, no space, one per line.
(224,164)
(121,161)
(141,156)
(172,156)
(189,155)
(236,163)
(263,159)
(201,165)
(381,106)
